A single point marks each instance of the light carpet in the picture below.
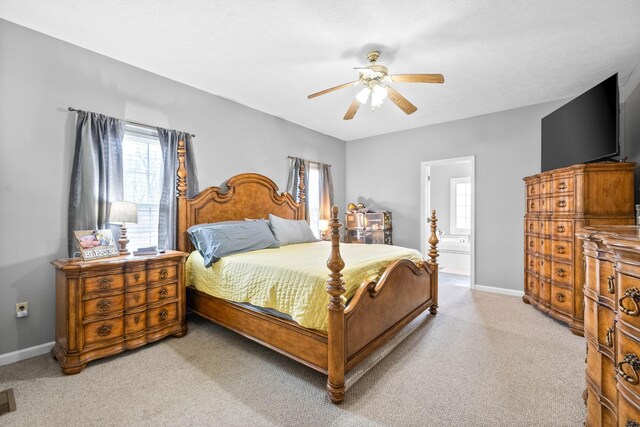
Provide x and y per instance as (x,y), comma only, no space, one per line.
(484,360)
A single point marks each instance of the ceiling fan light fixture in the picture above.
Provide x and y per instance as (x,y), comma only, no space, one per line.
(363,95)
(378,94)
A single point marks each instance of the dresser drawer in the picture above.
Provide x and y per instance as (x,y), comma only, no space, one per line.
(102,283)
(544,267)
(135,299)
(531,262)
(544,292)
(562,273)
(591,275)
(545,186)
(531,226)
(532,286)
(160,274)
(160,315)
(607,282)
(136,322)
(563,184)
(161,293)
(563,204)
(532,244)
(606,328)
(544,246)
(562,229)
(135,278)
(562,299)
(590,319)
(544,228)
(103,305)
(544,205)
(533,189)
(562,250)
(103,330)
(628,299)
(533,205)
(628,361)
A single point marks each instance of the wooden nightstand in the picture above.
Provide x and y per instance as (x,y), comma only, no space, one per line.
(107,306)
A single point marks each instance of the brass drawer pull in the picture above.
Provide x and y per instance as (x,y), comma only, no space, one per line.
(631,423)
(531,226)
(560,297)
(560,229)
(611,284)
(562,204)
(531,284)
(533,190)
(609,338)
(561,250)
(164,273)
(531,243)
(530,263)
(533,204)
(634,295)
(163,293)
(560,272)
(136,276)
(104,305)
(105,282)
(633,361)
(164,314)
(104,330)
(541,242)
(562,186)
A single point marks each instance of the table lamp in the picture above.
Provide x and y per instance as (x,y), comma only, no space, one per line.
(121,213)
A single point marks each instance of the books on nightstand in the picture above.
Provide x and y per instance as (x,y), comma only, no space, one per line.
(151,250)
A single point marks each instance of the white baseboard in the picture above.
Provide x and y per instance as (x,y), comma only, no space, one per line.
(503,291)
(25,353)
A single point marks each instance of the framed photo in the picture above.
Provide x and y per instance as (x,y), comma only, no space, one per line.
(95,244)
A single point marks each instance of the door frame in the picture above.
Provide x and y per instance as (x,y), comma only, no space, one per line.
(425,206)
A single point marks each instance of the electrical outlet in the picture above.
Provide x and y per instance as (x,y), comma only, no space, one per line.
(22,309)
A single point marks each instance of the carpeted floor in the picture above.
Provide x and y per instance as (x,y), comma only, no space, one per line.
(484,360)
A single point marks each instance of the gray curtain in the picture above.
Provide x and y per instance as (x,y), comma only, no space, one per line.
(326,191)
(294,181)
(168,207)
(96,177)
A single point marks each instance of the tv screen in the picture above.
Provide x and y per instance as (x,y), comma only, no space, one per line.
(583,130)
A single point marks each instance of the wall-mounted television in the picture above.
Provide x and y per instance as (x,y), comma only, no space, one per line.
(583,130)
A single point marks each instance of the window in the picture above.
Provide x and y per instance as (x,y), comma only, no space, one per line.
(460,205)
(142,178)
(313,193)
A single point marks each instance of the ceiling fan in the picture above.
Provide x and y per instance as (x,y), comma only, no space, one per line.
(375,79)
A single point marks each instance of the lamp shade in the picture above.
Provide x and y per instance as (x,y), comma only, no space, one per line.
(323,224)
(122,212)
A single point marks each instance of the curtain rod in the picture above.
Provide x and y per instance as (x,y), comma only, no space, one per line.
(129,121)
(310,161)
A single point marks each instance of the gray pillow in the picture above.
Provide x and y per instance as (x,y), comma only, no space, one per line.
(288,231)
(219,239)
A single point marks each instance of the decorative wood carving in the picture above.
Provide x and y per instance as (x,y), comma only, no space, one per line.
(433,261)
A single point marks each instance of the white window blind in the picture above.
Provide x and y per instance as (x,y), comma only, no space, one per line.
(142,170)
(313,194)
(460,205)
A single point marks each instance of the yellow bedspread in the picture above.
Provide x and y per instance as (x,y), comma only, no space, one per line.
(291,279)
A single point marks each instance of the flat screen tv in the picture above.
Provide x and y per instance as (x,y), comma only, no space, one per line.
(583,130)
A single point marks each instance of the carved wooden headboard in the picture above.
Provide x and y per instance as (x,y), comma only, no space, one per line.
(248,195)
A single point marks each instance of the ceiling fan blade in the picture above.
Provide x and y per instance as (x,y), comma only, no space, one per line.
(401,101)
(353,108)
(418,78)
(331,89)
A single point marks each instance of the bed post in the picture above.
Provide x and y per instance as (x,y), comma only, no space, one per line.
(433,263)
(181,188)
(335,289)
(302,191)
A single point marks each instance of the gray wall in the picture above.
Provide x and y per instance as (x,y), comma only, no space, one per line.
(40,77)
(507,148)
(441,190)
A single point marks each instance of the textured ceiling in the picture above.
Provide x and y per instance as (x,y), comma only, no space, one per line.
(269,55)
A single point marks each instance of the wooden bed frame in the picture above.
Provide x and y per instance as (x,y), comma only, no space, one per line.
(376,312)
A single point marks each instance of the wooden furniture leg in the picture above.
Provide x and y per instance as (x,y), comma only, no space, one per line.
(433,262)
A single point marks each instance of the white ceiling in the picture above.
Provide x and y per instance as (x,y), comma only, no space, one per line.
(269,55)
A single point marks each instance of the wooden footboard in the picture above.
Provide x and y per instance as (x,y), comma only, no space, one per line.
(378,309)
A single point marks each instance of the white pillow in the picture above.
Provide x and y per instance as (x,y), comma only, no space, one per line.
(289,231)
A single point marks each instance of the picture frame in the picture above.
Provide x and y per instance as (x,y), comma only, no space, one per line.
(94,244)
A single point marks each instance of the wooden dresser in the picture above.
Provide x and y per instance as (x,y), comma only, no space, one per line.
(106,306)
(612,324)
(560,202)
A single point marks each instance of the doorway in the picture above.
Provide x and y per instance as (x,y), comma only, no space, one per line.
(448,186)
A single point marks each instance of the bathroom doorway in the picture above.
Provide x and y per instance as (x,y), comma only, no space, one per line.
(448,186)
